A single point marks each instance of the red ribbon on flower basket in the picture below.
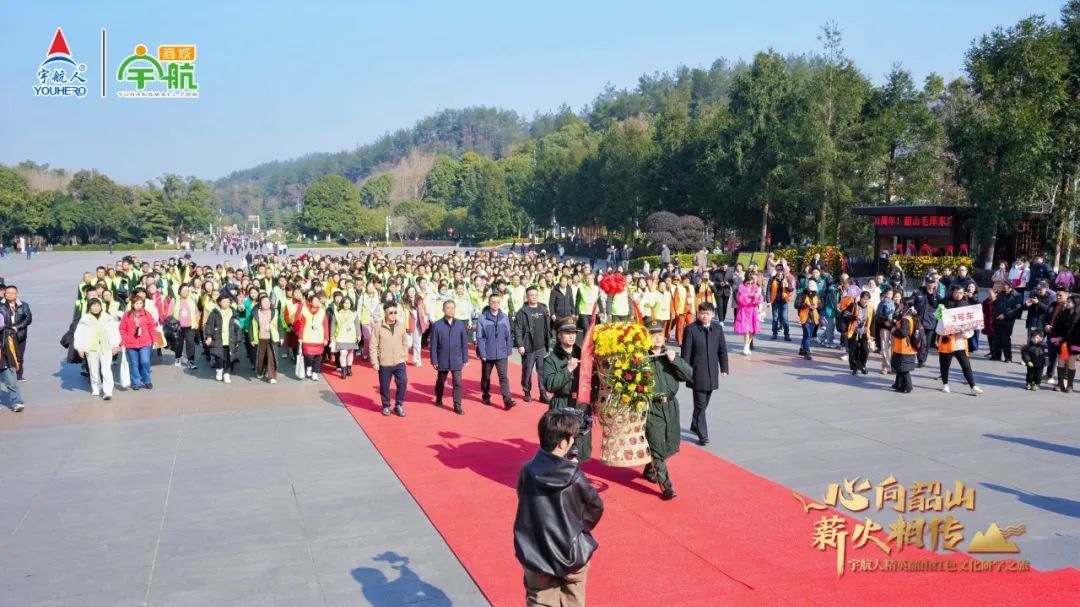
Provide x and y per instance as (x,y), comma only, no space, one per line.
(585,363)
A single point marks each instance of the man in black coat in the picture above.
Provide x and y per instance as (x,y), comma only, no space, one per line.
(705,348)
(1006,309)
(532,335)
(561,301)
(721,282)
(557,511)
(926,303)
(17,317)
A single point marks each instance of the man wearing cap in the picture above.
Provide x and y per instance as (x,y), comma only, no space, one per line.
(561,374)
(705,349)
(809,305)
(925,300)
(662,426)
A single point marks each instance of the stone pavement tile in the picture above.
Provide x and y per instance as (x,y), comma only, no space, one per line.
(273,503)
(58,581)
(240,575)
(360,519)
(184,535)
(264,471)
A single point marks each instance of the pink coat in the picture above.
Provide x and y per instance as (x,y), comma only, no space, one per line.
(746,316)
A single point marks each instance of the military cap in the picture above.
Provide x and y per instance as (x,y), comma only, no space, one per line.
(566,325)
(656,326)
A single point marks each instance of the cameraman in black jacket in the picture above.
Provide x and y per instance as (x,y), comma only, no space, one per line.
(557,510)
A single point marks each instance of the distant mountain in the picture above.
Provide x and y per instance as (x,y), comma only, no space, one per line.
(279,185)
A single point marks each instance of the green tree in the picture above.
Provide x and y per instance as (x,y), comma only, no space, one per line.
(14,192)
(1001,123)
(755,159)
(418,217)
(490,211)
(376,191)
(105,208)
(331,206)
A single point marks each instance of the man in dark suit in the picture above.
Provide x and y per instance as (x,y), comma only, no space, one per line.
(449,353)
(705,348)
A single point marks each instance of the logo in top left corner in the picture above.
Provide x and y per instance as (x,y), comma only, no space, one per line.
(59,75)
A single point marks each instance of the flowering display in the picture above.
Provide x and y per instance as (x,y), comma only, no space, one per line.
(622,351)
(613,283)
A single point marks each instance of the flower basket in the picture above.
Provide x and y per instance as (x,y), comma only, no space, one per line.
(624,441)
(625,389)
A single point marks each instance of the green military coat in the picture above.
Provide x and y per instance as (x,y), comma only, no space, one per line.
(662,429)
(563,385)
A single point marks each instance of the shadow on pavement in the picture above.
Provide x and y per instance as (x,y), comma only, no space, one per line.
(406,589)
(1038,444)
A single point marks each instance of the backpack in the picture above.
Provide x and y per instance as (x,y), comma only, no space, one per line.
(916,337)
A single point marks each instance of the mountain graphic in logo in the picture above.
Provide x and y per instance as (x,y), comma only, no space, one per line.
(993,541)
(59,75)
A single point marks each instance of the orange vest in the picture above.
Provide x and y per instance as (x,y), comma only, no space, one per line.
(902,345)
(810,312)
(947,344)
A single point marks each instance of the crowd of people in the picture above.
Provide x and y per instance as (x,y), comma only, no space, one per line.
(310,313)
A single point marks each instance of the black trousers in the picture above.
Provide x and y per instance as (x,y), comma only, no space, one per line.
(20,351)
(529,361)
(722,302)
(225,363)
(1051,360)
(1001,344)
(903,381)
(313,362)
(945,361)
(1035,374)
(485,379)
(858,352)
(699,422)
(185,346)
(397,372)
(924,347)
(440,382)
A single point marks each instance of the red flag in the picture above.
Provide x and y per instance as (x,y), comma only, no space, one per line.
(585,365)
(637,310)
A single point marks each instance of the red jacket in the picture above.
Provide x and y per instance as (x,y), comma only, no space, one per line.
(146,324)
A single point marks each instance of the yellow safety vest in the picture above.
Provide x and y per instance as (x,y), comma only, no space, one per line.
(313,326)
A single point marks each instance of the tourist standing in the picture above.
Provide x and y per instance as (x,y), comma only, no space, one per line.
(17,318)
(493,346)
(706,350)
(532,336)
(137,329)
(389,351)
(449,353)
(97,340)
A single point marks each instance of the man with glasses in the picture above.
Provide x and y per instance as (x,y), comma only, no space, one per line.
(389,350)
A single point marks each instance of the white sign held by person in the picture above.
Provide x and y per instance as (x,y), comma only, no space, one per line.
(960,320)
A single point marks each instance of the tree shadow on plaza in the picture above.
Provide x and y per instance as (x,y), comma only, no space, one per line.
(1057,505)
(407,588)
(1038,444)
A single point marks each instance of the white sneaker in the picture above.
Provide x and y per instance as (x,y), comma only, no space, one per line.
(976,390)
(176,363)
(314,376)
(227,379)
(746,350)
(218,374)
(945,388)
(844,358)
(18,408)
(273,381)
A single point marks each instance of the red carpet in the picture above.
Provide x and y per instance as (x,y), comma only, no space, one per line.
(730,538)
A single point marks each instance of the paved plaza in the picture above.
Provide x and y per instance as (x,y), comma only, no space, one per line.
(200,493)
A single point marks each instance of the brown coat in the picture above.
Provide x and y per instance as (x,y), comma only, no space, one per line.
(389,348)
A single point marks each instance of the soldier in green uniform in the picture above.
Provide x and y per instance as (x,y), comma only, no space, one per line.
(662,429)
(561,374)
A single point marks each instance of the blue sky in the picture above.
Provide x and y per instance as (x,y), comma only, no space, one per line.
(282,79)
